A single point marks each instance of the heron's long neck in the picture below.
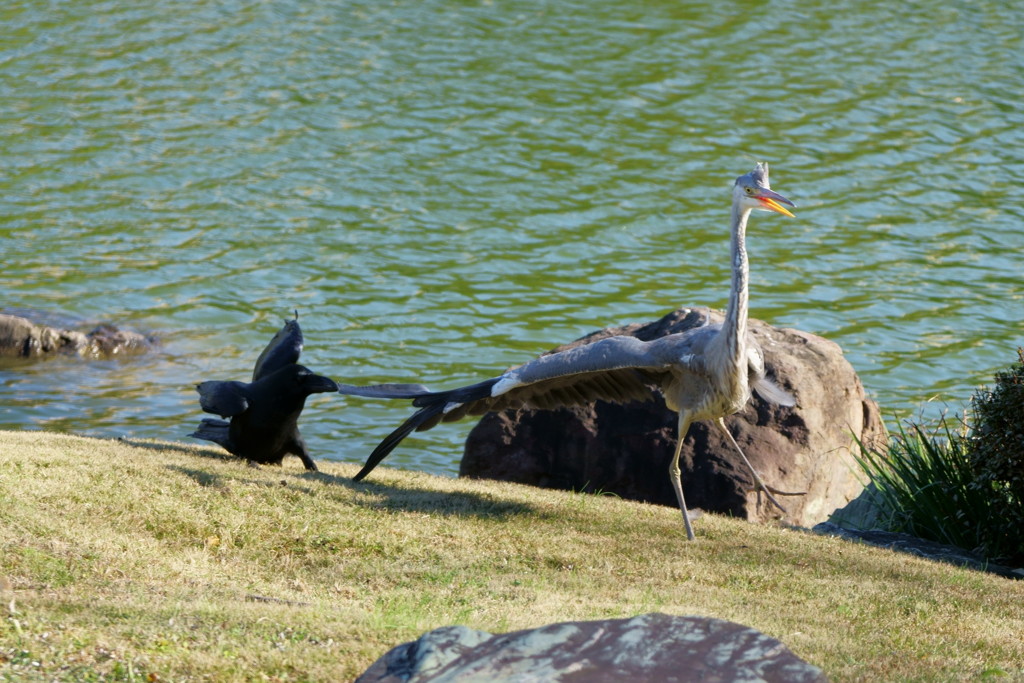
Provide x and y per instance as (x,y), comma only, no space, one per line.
(735,327)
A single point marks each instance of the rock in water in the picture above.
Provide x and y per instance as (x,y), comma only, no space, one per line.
(626,449)
(21,338)
(651,647)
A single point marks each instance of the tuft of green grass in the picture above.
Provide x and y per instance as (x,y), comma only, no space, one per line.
(925,485)
(162,561)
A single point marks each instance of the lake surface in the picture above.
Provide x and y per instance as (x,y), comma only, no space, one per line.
(445,189)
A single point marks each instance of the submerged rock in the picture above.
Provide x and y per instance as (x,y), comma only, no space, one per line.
(21,338)
(651,647)
(626,449)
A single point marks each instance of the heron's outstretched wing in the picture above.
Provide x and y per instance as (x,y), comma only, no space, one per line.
(283,350)
(385,390)
(223,398)
(618,369)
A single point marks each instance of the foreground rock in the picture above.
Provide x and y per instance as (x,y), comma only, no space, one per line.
(651,647)
(21,338)
(626,449)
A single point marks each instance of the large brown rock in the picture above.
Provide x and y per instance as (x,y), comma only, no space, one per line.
(626,449)
(21,338)
(650,647)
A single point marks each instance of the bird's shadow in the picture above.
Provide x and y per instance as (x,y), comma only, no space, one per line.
(372,495)
(430,501)
(199,449)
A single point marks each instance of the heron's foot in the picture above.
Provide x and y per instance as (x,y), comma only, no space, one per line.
(777,492)
(759,485)
(770,492)
(689,516)
(771,499)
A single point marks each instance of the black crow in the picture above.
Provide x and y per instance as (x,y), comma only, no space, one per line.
(264,413)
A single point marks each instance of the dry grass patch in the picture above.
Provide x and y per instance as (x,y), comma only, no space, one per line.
(134,560)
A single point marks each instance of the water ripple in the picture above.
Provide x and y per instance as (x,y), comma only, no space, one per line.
(445,190)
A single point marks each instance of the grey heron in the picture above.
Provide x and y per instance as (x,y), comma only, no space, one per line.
(705,373)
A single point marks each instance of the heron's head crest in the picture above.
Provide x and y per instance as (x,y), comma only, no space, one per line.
(758,177)
(760,173)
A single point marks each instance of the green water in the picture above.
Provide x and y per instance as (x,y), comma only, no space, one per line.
(444,189)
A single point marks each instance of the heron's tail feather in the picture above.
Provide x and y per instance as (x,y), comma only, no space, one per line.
(772,392)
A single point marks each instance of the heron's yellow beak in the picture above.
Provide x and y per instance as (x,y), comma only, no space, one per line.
(773,201)
(772,205)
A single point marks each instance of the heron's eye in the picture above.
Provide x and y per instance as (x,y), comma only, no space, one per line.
(749,190)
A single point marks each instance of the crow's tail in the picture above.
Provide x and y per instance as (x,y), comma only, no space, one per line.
(215,431)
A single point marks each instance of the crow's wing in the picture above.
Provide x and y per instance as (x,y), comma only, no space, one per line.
(223,398)
(283,350)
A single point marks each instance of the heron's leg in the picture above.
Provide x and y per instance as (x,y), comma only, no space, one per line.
(675,474)
(760,485)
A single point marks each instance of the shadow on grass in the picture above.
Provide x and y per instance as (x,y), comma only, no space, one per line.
(201,477)
(374,495)
(456,503)
(203,450)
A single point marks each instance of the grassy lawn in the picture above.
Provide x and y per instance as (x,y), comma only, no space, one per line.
(163,561)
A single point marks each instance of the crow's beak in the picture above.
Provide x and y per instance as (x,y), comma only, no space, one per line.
(318,384)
